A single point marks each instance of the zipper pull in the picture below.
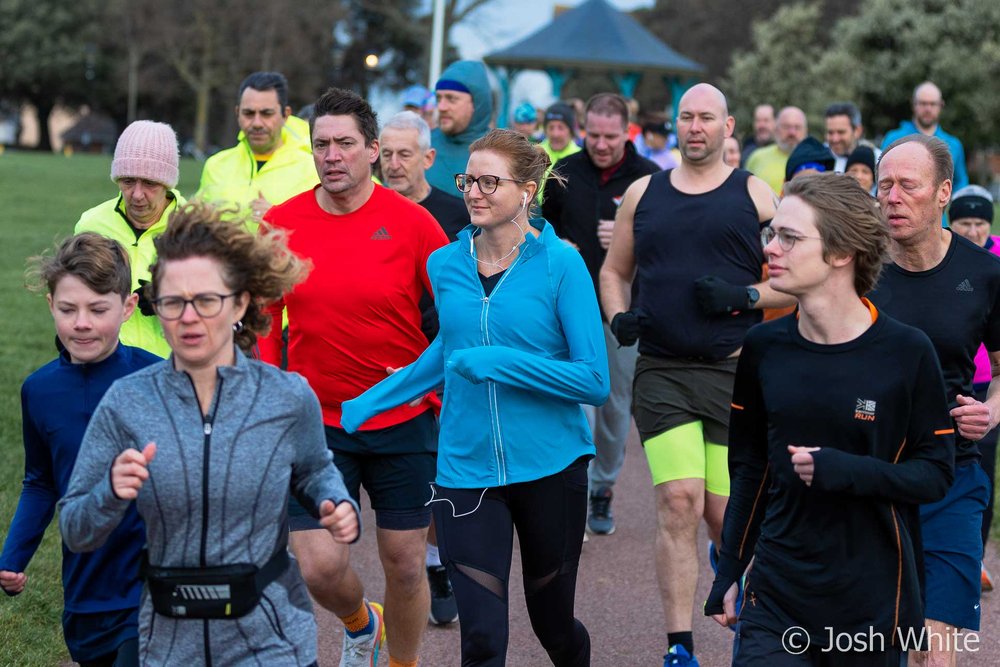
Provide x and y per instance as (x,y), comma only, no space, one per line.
(208,428)
(486,299)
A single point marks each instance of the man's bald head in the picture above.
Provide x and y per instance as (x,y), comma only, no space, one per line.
(791,128)
(703,123)
(706,93)
(927,105)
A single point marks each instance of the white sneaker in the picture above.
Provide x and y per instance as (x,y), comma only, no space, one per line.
(363,650)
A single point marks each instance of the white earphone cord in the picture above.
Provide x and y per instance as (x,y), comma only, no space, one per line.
(524,206)
(434,499)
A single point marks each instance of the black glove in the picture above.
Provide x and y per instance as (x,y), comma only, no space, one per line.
(625,326)
(715,296)
(145,306)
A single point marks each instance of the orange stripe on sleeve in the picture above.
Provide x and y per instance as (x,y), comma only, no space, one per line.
(944,431)
(736,407)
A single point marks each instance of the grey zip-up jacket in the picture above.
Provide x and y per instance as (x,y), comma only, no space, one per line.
(217,494)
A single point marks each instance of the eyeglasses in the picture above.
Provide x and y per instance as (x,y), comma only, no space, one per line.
(208,304)
(487,183)
(785,238)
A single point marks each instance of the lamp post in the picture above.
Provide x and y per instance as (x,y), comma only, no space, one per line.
(437,44)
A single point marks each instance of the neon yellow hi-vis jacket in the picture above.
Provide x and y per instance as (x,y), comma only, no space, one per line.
(554,156)
(108,219)
(231,177)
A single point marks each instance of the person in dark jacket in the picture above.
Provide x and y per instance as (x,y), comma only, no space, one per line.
(582,210)
(89,286)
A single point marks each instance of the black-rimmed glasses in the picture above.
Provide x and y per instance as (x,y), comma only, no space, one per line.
(786,239)
(487,182)
(208,304)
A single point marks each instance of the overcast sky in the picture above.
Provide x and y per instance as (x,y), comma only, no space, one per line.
(496,25)
(502,22)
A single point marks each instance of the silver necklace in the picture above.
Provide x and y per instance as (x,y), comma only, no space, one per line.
(496,264)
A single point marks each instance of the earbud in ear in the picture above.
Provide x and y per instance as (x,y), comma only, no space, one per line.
(524,199)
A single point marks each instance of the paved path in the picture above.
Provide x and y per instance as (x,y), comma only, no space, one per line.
(616,597)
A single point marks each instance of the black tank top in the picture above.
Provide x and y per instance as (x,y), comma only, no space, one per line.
(679,238)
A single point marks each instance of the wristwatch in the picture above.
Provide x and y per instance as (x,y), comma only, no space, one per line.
(753,296)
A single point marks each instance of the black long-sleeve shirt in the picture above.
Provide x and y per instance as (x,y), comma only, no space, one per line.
(844,552)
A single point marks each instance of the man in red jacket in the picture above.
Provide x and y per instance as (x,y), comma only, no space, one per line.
(355,318)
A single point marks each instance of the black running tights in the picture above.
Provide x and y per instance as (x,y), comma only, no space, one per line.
(549,516)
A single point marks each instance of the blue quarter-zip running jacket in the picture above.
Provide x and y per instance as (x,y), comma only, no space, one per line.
(516,365)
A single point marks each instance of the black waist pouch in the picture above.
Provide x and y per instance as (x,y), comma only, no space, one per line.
(225,591)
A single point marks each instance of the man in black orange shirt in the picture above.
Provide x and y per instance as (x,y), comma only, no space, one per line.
(354,318)
(949,288)
(839,428)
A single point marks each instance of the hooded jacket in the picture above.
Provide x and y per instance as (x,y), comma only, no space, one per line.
(217,494)
(108,220)
(453,150)
(516,365)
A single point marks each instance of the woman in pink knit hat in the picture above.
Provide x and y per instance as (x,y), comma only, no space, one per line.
(145,169)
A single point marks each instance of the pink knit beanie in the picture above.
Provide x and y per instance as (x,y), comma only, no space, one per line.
(147,150)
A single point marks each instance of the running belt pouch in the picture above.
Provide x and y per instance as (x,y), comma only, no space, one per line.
(227,591)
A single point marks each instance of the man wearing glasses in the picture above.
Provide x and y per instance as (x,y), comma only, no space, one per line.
(353,320)
(927,106)
(671,228)
(271,159)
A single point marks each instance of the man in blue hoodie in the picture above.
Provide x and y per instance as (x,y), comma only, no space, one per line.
(927,105)
(465,107)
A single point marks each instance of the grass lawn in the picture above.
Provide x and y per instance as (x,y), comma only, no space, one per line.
(41,198)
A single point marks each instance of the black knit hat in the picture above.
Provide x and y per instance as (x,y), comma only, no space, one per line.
(562,112)
(809,154)
(861,155)
(972,201)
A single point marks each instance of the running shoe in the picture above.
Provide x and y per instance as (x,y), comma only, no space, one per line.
(444,609)
(677,656)
(601,521)
(713,560)
(363,650)
(985,578)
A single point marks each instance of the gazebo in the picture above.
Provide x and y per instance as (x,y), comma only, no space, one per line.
(593,37)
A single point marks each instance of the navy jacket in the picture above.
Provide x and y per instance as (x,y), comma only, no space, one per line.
(57,402)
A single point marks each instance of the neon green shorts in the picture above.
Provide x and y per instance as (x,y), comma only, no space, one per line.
(683,453)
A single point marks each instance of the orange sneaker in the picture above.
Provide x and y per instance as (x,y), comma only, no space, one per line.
(985,579)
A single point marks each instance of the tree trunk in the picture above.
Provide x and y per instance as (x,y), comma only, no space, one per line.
(44,108)
(133,83)
(203,96)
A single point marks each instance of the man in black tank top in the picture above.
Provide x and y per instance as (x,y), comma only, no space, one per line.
(672,228)
(950,289)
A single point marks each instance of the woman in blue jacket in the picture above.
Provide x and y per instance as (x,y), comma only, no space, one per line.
(520,348)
